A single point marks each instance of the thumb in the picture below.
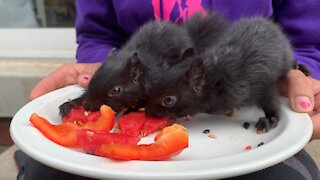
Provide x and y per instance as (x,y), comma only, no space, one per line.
(300,91)
(87,73)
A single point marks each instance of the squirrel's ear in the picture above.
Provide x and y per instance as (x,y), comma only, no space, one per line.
(134,68)
(111,53)
(196,76)
(189,52)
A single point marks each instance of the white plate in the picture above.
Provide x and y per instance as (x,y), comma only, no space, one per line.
(206,157)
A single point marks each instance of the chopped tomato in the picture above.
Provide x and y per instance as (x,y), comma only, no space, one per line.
(80,116)
(169,142)
(138,124)
(65,133)
(90,140)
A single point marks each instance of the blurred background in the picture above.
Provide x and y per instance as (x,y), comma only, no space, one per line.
(37,13)
(36,37)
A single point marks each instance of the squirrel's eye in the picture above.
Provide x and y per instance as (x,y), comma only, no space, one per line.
(115,91)
(169,101)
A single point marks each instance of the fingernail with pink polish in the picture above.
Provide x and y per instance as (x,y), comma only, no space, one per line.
(86,77)
(303,102)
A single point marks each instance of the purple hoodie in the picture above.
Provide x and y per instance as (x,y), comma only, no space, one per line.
(104,24)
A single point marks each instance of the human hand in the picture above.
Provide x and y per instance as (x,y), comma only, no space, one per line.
(303,93)
(67,74)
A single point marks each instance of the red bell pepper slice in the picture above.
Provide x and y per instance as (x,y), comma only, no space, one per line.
(80,116)
(155,124)
(90,140)
(169,142)
(65,133)
(132,123)
(138,124)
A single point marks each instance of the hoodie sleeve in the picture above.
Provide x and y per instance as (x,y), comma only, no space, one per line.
(97,30)
(301,22)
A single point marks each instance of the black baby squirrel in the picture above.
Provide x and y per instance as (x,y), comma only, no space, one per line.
(242,69)
(120,80)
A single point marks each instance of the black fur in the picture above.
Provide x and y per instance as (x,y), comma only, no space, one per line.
(242,69)
(303,68)
(66,107)
(205,31)
(155,46)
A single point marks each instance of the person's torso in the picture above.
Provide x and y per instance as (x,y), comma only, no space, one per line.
(132,14)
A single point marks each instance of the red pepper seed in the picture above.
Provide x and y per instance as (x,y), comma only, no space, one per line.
(89,133)
(248,147)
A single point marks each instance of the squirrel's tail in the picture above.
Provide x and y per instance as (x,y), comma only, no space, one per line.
(205,30)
